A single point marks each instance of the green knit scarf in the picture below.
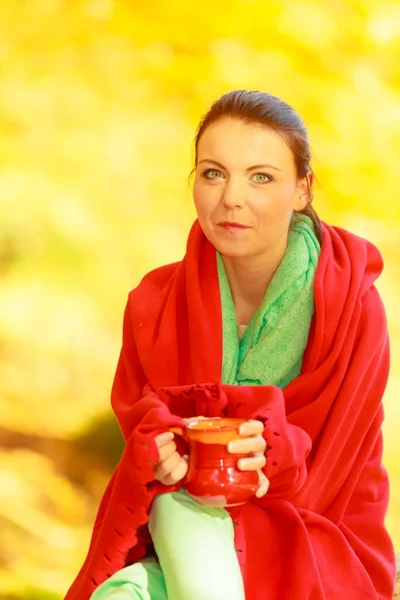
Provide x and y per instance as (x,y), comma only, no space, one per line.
(272,347)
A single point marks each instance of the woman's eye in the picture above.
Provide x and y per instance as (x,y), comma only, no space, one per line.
(261,178)
(212,174)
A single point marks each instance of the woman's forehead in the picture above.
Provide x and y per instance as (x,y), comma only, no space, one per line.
(236,143)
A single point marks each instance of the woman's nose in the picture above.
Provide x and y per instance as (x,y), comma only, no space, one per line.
(233,195)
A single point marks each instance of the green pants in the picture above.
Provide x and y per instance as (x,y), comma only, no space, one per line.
(195,549)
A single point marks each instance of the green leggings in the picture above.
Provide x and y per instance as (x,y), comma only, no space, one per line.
(195,548)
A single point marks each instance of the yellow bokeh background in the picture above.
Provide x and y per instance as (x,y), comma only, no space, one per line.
(99,102)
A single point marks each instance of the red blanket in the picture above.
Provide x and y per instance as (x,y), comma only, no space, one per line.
(319,532)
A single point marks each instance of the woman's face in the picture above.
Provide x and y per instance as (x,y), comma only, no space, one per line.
(246,188)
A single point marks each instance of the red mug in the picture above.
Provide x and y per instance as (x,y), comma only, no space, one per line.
(213,478)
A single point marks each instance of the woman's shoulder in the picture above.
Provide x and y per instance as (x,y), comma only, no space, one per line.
(349,238)
(343,246)
(352,264)
(154,282)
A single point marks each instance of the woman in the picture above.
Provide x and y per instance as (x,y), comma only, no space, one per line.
(272,316)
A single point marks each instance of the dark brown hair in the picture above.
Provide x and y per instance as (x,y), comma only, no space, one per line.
(272,112)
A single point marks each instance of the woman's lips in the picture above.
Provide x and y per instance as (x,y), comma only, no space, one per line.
(233,227)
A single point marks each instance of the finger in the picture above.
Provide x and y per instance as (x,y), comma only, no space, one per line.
(252,464)
(178,473)
(251,427)
(166,467)
(166,451)
(164,438)
(263,485)
(247,445)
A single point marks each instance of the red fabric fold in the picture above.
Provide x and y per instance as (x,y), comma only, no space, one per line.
(319,532)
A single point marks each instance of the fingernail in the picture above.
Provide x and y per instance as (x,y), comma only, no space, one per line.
(242,430)
(230,446)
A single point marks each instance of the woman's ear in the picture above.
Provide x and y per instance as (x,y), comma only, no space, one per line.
(304,192)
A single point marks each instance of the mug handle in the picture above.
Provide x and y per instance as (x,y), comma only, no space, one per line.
(179,431)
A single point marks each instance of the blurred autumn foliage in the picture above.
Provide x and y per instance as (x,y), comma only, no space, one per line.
(99,101)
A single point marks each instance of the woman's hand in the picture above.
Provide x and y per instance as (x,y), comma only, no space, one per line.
(252,442)
(171,466)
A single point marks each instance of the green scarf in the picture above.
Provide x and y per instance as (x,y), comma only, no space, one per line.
(272,347)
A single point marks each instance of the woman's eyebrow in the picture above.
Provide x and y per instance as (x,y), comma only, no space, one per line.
(264,166)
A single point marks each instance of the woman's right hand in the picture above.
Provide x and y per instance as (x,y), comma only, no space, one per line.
(171,466)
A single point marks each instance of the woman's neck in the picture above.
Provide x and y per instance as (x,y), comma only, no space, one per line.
(248,280)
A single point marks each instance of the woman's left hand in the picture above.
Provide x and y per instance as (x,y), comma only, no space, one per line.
(252,442)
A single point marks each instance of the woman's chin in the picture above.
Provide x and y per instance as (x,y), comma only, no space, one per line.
(230,246)
(233,250)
